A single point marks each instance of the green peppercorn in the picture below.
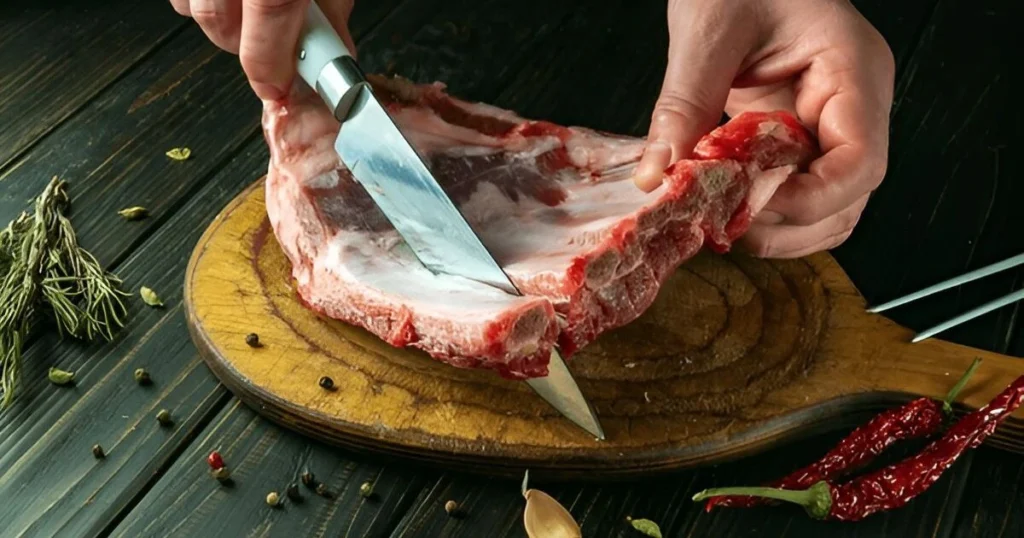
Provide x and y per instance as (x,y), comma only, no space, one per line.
(164,417)
(366,490)
(273,499)
(142,377)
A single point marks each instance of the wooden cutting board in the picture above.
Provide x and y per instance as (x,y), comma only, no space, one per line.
(736,355)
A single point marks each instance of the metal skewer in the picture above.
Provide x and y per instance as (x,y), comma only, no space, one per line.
(970,314)
(956,281)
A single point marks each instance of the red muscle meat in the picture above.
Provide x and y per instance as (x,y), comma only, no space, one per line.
(556,205)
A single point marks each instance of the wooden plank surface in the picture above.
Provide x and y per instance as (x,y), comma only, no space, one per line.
(953,123)
(72,491)
(262,458)
(44,425)
(57,55)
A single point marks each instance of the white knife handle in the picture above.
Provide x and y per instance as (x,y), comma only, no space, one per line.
(326,64)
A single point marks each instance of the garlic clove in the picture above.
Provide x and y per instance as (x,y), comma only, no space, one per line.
(544,517)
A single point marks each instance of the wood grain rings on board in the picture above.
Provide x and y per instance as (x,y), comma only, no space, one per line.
(735,355)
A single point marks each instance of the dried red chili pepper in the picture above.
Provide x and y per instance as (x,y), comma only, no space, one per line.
(917,419)
(894,485)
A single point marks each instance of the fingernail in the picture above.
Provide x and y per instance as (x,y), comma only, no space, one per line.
(649,170)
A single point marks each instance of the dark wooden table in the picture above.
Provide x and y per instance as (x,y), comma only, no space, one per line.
(97,93)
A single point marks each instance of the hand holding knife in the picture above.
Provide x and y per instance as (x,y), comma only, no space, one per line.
(393,174)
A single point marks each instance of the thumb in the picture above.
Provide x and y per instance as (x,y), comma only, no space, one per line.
(703,59)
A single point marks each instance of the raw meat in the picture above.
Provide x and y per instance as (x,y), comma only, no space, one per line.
(555,204)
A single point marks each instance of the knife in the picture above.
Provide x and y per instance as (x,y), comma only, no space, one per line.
(395,176)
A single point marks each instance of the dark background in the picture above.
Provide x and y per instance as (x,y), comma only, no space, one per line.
(96,93)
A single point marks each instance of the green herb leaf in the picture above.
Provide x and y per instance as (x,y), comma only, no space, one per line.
(647,527)
(150,297)
(134,213)
(179,154)
(60,377)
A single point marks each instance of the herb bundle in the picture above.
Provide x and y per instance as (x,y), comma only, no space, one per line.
(42,265)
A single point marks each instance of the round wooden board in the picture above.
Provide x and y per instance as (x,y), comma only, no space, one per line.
(735,355)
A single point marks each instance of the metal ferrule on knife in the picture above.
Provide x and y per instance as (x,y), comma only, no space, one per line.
(339,84)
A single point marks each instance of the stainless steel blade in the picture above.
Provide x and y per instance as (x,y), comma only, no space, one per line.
(395,176)
(384,162)
(561,391)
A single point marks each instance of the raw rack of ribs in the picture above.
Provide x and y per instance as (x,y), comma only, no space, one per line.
(556,205)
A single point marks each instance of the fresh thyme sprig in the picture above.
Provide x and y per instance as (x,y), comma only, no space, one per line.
(43,265)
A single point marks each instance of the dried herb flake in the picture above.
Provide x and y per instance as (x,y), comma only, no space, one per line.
(150,297)
(647,527)
(134,213)
(60,377)
(179,154)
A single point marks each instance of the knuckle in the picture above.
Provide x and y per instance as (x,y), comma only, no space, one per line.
(877,168)
(272,7)
(672,102)
(690,112)
(760,247)
(257,67)
(877,175)
(208,17)
(839,239)
(847,222)
(808,214)
(808,206)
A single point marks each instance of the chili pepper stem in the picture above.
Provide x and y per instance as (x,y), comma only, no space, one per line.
(947,404)
(816,500)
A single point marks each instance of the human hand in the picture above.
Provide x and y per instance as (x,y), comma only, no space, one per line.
(819,59)
(264,34)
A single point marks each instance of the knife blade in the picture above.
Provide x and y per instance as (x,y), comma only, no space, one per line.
(383,161)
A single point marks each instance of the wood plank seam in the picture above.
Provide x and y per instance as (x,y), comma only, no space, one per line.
(187,441)
(13,162)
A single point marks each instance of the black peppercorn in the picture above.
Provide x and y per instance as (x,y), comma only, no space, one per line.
(164,417)
(326,383)
(308,480)
(97,451)
(142,377)
(293,492)
(252,339)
